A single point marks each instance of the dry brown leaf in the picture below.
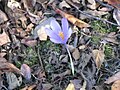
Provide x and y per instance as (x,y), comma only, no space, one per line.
(111,40)
(42,34)
(3,17)
(28,4)
(82,47)
(77,83)
(13,81)
(47,86)
(99,87)
(73,20)
(63,58)
(23,20)
(4,38)
(31,87)
(12,4)
(64,4)
(116,15)
(76,54)
(115,3)
(70,87)
(25,88)
(2,54)
(29,42)
(43,1)
(67,72)
(8,67)
(98,57)
(29,28)
(113,78)
(84,85)
(76,1)
(116,85)
(92,4)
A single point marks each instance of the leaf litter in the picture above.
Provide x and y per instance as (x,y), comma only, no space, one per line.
(30,61)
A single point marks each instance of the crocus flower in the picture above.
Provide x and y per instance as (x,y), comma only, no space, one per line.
(57,34)
(60,35)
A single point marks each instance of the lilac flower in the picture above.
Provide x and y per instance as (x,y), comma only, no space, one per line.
(57,34)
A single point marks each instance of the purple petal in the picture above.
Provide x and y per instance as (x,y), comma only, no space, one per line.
(49,32)
(56,40)
(55,26)
(68,35)
(53,36)
(65,26)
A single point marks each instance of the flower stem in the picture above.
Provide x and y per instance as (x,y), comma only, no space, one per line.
(71,61)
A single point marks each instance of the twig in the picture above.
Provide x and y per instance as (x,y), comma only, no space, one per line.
(103,4)
(40,60)
(91,16)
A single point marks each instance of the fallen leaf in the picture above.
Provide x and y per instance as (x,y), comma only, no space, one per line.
(43,1)
(98,56)
(12,4)
(25,88)
(92,4)
(29,28)
(23,20)
(4,38)
(115,3)
(64,4)
(13,81)
(84,85)
(63,58)
(113,78)
(29,4)
(96,13)
(81,47)
(8,67)
(100,87)
(76,1)
(67,72)
(104,9)
(29,42)
(116,85)
(47,86)
(42,34)
(3,17)
(73,20)
(116,15)
(26,72)
(76,54)
(2,54)
(111,40)
(70,87)
(77,83)
(31,87)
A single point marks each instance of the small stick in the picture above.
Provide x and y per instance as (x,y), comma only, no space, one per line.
(40,60)
(91,16)
(103,4)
